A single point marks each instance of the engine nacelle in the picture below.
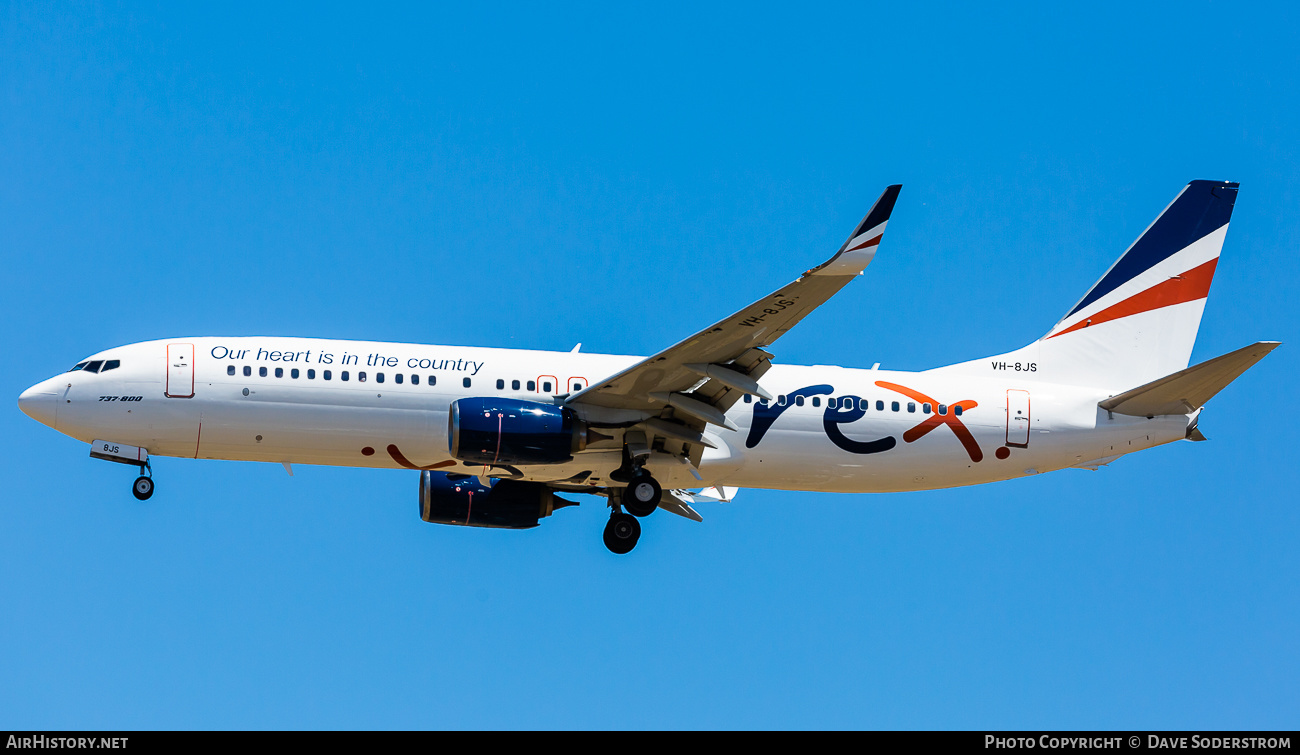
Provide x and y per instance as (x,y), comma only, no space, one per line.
(507,504)
(512,431)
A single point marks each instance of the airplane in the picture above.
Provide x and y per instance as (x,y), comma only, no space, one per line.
(498,436)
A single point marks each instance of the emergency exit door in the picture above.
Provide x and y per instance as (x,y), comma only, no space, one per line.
(1018,418)
(180,370)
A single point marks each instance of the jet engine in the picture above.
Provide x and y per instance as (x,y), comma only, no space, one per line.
(506,504)
(512,431)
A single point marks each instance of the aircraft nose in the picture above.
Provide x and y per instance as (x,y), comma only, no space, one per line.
(40,402)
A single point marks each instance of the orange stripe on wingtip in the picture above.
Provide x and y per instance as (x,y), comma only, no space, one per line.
(1190,286)
(865,244)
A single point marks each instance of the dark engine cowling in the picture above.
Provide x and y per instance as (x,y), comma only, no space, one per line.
(508,504)
(512,431)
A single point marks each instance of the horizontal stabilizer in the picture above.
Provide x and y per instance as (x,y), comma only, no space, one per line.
(1187,390)
(719,494)
(679,502)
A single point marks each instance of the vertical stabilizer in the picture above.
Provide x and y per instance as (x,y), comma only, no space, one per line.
(1139,322)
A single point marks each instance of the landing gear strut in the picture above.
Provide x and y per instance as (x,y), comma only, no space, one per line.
(622,532)
(142,488)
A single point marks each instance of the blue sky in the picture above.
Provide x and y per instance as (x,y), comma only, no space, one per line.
(535,176)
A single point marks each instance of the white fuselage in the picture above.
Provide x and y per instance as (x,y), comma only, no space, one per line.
(193,406)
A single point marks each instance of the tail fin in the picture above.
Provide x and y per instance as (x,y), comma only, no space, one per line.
(1139,322)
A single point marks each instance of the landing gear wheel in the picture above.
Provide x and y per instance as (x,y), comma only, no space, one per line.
(621,533)
(642,495)
(143,488)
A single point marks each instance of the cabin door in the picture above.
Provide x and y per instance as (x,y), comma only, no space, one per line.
(180,370)
(1018,418)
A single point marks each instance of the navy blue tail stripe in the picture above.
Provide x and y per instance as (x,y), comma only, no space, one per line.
(1204,207)
(879,211)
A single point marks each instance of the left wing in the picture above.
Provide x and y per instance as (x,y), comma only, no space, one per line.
(695,382)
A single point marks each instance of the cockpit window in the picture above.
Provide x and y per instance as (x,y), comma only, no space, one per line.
(111,364)
(94,366)
(80,366)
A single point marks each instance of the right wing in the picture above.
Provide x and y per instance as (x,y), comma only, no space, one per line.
(694,382)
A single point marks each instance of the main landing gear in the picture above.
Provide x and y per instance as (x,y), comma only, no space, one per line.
(640,498)
(642,495)
(622,532)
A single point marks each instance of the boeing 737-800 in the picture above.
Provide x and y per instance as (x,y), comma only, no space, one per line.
(496,434)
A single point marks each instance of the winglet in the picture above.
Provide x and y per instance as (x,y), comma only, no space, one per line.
(856,253)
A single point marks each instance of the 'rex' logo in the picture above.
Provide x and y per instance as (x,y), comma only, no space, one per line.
(948,418)
(850,409)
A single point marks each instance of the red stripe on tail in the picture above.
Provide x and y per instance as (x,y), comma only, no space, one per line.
(1190,286)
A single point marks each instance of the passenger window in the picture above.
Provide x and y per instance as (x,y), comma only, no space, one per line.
(956,410)
(514,385)
(311,374)
(361,377)
(532,385)
(230,370)
(749,399)
(111,364)
(943,409)
(880,406)
(577,387)
(894,406)
(248,371)
(397,378)
(465,382)
(780,400)
(798,400)
(415,379)
(327,375)
(817,401)
(546,386)
(433,380)
(832,402)
(925,408)
(379,377)
(261,372)
(911,406)
(864,404)
(279,372)
(94,366)
(343,376)
(501,384)
(294,373)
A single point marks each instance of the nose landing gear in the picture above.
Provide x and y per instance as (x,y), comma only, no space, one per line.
(143,488)
(121,453)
